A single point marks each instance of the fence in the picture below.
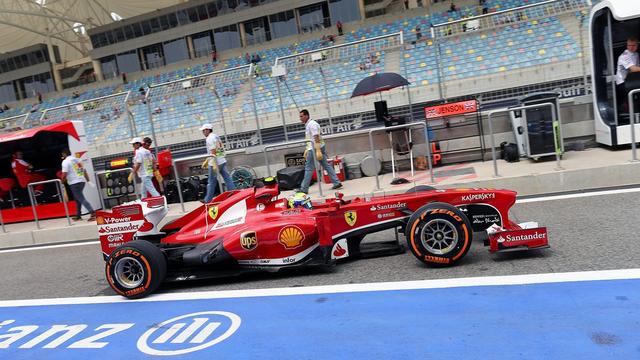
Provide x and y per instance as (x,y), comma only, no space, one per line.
(105,118)
(546,34)
(13,123)
(222,98)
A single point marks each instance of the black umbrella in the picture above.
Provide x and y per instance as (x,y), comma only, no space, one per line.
(378,83)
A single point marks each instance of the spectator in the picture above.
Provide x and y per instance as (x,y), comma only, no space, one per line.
(5,107)
(418,33)
(214,56)
(142,91)
(247,58)
(75,94)
(24,172)
(1,110)
(315,146)
(216,162)
(628,62)
(75,175)
(39,97)
(406,4)
(124,78)
(339,27)
(143,166)
(453,7)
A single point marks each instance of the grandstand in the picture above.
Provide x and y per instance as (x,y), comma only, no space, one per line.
(540,43)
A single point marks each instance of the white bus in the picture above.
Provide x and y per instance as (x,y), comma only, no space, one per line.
(612,22)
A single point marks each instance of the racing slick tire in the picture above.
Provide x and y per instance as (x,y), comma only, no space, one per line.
(420,188)
(439,234)
(136,269)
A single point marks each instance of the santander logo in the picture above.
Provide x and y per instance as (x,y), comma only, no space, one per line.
(339,251)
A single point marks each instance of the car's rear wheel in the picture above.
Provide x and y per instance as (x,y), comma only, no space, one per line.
(136,269)
(439,234)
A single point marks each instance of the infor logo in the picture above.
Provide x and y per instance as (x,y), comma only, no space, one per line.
(189,333)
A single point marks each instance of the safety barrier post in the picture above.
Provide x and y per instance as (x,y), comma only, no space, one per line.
(493,142)
(33,200)
(404,126)
(2,222)
(632,122)
(195,157)
(266,148)
(98,173)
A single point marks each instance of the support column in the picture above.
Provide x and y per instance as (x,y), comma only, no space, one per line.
(361,8)
(57,79)
(243,35)
(97,69)
(192,52)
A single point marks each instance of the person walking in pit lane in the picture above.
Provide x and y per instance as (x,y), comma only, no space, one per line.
(143,166)
(315,145)
(216,162)
(76,177)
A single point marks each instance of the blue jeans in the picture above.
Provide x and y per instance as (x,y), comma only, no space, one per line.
(78,196)
(310,166)
(213,181)
(147,185)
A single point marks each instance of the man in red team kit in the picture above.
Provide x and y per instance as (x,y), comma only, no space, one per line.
(23,172)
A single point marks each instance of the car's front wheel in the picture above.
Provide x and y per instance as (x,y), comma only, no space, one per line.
(136,269)
(439,234)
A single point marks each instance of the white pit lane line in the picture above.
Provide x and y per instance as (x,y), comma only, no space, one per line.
(622,274)
(520,201)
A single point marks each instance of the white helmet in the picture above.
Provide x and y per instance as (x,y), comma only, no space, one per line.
(136,140)
(206,126)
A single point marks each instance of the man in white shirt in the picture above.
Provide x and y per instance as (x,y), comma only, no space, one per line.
(75,175)
(143,166)
(315,146)
(216,162)
(628,62)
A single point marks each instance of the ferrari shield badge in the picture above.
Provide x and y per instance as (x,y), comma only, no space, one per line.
(351,217)
(213,212)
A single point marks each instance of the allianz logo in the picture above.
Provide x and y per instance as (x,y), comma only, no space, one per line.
(177,336)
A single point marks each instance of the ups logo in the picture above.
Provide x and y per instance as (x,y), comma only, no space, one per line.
(248,240)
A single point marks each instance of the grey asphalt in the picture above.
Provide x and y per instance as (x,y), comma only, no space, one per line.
(592,233)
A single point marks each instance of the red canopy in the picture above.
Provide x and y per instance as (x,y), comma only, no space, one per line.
(63,127)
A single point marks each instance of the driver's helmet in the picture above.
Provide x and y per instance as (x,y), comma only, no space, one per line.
(300,200)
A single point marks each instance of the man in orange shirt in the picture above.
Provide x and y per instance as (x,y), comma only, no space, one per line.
(23,172)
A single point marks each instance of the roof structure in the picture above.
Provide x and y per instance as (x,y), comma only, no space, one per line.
(64,22)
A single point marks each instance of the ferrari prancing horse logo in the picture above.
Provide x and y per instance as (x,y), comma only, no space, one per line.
(351,217)
(213,212)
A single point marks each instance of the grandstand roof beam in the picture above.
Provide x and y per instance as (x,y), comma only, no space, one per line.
(45,15)
(45,35)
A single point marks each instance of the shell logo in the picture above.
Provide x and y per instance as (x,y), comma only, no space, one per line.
(291,237)
(100,220)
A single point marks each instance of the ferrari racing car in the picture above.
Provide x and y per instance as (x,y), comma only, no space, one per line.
(256,229)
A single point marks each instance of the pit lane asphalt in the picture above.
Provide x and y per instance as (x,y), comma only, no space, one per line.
(589,233)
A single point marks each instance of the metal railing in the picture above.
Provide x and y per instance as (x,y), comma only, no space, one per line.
(34,202)
(196,157)
(2,222)
(535,106)
(396,127)
(287,145)
(98,173)
(632,123)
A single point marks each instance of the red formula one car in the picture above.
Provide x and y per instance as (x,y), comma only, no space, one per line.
(255,229)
